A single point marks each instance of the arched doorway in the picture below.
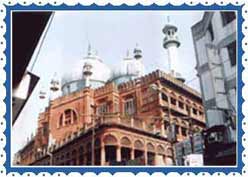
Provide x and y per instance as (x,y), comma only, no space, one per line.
(125,149)
(139,152)
(110,148)
(160,159)
(97,152)
(150,154)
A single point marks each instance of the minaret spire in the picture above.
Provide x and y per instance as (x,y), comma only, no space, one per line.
(89,49)
(171,43)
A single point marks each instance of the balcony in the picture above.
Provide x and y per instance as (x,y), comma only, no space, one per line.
(107,119)
(171,39)
(127,121)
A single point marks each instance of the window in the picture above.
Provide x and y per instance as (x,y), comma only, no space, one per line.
(164,97)
(129,106)
(177,129)
(227,17)
(211,32)
(194,111)
(231,48)
(184,131)
(69,116)
(188,108)
(173,101)
(181,105)
(45,129)
(102,108)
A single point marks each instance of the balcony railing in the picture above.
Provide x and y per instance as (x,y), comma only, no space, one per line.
(117,119)
(128,121)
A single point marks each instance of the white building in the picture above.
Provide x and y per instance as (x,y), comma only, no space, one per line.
(215,45)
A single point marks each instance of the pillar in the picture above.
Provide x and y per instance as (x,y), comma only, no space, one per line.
(103,155)
(132,122)
(118,153)
(156,159)
(146,157)
(132,154)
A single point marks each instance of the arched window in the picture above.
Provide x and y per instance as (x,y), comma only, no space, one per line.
(150,147)
(68,117)
(138,144)
(110,140)
(160,149)
(125,142)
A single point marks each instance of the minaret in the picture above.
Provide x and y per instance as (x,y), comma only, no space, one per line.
(171,44)
(54,87)
(137,52)
(87,72)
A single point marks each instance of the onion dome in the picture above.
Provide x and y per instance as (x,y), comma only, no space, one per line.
(74,79)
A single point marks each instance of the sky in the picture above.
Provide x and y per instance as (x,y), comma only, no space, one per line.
(111,33)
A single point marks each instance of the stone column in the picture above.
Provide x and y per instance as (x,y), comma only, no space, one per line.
(118,153)
(146,157)
(103,155)
(131,121)
(132,154)
(156,159)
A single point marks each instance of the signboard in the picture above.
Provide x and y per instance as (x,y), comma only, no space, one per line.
(194,160)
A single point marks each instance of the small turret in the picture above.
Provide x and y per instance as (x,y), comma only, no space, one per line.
(54,83)
(137,52)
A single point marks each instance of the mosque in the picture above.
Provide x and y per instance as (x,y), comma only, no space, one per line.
(116,117)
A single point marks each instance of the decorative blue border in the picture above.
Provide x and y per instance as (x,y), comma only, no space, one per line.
(137,169)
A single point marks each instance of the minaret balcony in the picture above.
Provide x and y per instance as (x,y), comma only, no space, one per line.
(171,39)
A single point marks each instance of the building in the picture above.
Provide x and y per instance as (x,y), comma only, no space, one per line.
(106,117)
(215,44)
(191,147)
(29,27)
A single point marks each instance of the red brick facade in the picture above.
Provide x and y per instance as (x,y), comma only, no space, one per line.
(131,122)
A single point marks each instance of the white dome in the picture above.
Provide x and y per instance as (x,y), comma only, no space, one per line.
(74,80)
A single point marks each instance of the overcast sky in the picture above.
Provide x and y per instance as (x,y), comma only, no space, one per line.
(111,33)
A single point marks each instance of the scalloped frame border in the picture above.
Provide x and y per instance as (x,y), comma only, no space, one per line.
(5,74)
